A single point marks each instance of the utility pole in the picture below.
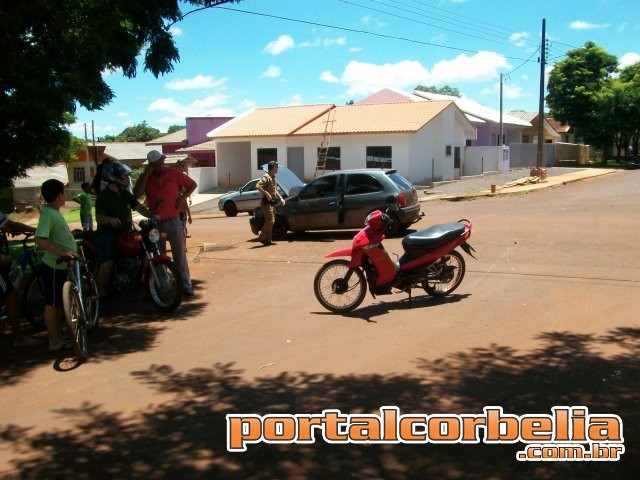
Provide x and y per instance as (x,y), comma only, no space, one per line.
(500,140)
(540,155)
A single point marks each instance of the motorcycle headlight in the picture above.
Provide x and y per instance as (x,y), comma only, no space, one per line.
(154,235)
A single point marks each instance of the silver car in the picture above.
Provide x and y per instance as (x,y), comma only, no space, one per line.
(247,198)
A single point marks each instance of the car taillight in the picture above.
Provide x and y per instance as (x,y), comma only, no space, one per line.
(402,200)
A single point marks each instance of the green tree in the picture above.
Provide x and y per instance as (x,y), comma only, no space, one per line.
(175,128)
(53,55)
(138,133)
(446,90)
(580,92)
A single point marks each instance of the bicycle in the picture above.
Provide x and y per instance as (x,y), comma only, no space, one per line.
(33,293)
(73,301)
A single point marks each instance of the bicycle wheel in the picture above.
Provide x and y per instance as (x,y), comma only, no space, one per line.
(91,299)
(75,320)
(33,301)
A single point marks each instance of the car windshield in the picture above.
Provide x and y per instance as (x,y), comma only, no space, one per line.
(287,180)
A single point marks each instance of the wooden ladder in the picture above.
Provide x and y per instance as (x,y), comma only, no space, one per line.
(323,151)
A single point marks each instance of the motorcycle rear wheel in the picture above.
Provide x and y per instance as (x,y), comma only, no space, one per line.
(167,295)
(450,272)
(334,292)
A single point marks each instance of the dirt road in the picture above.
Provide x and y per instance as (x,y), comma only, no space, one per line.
(546,316)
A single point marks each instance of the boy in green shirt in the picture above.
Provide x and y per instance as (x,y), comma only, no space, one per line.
(54,237)
(84,200)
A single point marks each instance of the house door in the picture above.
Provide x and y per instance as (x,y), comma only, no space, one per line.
(295,161)
(456,162)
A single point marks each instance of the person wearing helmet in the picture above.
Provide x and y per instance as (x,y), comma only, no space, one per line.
(113,213)
(166,191)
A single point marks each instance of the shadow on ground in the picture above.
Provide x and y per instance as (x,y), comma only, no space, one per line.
(129,324)
(186,437)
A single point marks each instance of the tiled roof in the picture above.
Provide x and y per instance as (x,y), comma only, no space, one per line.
(388,95)
(199,147)
(179,136)
(470,107)
(405,117)
(558,126)
(526,116)
(270,122)
(125,150)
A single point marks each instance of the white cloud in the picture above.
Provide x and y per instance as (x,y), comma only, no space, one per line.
(372,21)
(366,78)
(122,114)
(176,31)
(282,44)
(629,59)
(329,77)
(581,25)
(296,99)
(509,91)
(519,39)
(438,39)
(480,67)
(211,105)
(199,82)
(271,72)
(325,42)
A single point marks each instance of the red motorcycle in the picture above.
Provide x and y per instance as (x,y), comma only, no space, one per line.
(429,261)
(139,264)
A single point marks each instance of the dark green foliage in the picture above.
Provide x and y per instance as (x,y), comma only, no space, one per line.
(53,54)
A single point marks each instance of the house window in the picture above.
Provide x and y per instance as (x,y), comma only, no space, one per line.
(468,143)
(78,175)
(333,158)
(525,139)
(378,157)
(447,150)
(266,155)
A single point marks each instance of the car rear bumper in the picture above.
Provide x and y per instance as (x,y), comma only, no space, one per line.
(409,215)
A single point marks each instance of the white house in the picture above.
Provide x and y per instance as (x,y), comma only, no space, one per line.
(422,140)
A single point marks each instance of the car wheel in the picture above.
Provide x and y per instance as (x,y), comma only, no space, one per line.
(230,209)
(280,229)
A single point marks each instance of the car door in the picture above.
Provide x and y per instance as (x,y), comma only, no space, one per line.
(315,207)
(363,192)
(248,197)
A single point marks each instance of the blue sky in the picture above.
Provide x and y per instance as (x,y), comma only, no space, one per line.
(262,53)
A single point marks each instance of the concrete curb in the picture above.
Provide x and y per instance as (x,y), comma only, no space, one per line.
(550,182)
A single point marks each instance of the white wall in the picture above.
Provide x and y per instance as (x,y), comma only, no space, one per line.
(205,177)
(232,163)
(420,156)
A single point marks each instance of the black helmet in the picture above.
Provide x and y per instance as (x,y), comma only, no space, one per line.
(114,172)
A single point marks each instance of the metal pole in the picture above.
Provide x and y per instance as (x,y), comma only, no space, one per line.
(540,156)
(501,140)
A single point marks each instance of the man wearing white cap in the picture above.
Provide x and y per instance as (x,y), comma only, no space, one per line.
(160,186)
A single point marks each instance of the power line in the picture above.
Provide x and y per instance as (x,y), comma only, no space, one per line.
(414,20)
(451,18)
(352,30)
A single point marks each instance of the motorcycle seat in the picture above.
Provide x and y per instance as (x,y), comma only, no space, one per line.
(434,236)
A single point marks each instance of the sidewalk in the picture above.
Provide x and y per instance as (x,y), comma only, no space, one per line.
(507,183)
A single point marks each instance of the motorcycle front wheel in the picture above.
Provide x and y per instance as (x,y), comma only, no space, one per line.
(448,274)
(165,292)
(339,288)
